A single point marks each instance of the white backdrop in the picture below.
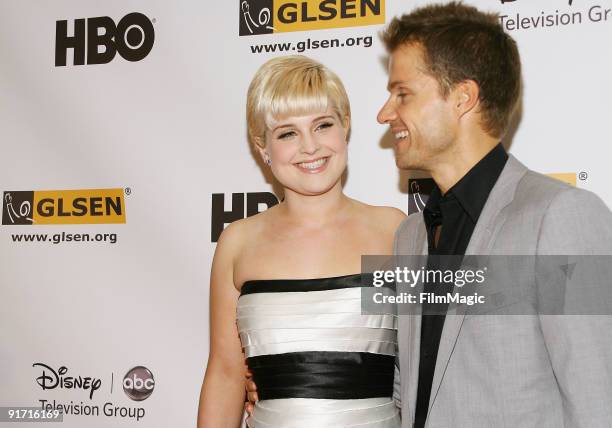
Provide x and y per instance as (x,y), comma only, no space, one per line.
(169,132)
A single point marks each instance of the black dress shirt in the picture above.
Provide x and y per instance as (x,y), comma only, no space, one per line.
(457,212)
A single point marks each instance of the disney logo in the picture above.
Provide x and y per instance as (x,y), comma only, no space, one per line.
(51,379)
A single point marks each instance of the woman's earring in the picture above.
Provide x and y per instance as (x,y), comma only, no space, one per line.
(269,161)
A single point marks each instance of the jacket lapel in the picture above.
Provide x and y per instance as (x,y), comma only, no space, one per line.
(489,223)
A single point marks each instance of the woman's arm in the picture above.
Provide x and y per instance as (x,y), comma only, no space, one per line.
(222,396)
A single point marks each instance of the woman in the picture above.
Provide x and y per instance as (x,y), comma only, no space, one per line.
(291,273)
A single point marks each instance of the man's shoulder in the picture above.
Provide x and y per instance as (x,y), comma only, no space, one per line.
(537,185)
(411,223)
(410,235)
(544,192)
(570,219)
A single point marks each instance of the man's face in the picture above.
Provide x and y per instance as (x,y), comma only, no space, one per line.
(422,122)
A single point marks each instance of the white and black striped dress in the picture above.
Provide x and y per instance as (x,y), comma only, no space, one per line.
(316,360)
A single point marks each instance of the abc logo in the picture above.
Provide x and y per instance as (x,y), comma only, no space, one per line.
(99,39)
(138,383)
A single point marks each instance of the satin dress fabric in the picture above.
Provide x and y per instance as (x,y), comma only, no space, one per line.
(316,360)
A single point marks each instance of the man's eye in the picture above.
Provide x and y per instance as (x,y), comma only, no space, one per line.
(325,125)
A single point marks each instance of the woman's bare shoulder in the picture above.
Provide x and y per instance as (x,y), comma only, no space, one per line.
(242,231)
(384,216)
(241,238)
(392,214)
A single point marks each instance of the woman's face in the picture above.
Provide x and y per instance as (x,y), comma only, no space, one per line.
(308,153)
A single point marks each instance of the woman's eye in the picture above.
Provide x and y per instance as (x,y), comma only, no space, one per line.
(325,125)
(286,135)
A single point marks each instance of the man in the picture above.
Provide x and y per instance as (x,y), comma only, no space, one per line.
(454,82)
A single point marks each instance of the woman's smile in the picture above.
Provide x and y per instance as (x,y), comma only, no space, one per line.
(313,167)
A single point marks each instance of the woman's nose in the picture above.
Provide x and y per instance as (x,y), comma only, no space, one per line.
(309,144)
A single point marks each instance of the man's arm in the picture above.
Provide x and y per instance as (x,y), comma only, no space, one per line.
(397,384)
(579,346)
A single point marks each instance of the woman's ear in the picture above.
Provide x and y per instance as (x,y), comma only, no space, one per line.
(262,150)
(347,126)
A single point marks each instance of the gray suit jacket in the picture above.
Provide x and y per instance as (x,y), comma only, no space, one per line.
(517,370)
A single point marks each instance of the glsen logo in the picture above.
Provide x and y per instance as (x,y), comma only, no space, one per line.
(132,37)
(51,379)
(281,16)
(220,216)
(138,383)
(419,190)
(89,206)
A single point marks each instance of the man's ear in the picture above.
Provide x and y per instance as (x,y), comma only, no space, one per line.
(465,96)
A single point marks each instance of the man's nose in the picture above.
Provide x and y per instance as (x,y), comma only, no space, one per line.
(387,113)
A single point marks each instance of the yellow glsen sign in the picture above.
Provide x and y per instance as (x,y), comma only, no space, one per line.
(85,206)
(317,14)
(566,177)
(281,16)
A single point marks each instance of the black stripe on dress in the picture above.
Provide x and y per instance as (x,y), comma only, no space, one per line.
(313,284)
(321,374)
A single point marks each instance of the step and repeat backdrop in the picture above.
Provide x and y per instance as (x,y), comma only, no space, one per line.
(124,155)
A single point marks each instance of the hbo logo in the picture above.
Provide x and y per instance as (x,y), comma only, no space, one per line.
(132,37)
(138,383)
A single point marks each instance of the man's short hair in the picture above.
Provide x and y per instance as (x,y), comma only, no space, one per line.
(461,43)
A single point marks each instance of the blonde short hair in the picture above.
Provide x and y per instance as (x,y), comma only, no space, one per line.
(292,86)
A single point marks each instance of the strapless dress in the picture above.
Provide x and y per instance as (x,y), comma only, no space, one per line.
(316,360)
